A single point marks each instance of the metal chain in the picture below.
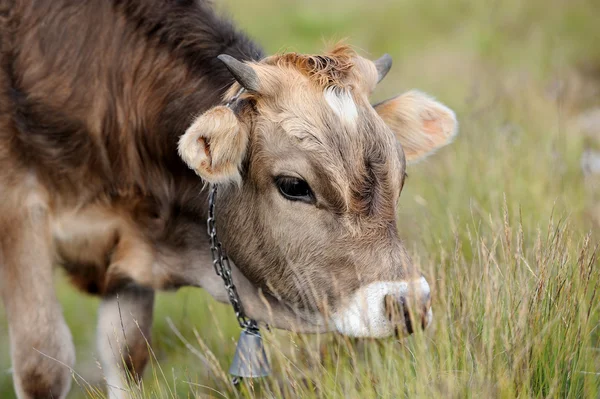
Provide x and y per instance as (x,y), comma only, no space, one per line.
(222,266)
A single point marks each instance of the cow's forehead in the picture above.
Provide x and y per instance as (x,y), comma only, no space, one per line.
(347,145)
(321,103)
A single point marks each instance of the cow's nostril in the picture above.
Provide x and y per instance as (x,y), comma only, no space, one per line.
(398,312)
(407,318)
(392,308)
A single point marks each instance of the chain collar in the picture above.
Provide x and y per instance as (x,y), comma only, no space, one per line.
(233,99)
(219,257)
(222,266)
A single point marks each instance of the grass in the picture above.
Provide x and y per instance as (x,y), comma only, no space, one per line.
(500,221)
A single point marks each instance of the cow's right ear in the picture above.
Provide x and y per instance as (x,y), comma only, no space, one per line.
(215,145)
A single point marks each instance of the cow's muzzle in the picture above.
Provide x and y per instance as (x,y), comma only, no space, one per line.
(384,308)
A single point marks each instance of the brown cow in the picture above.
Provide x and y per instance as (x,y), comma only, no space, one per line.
(99,103)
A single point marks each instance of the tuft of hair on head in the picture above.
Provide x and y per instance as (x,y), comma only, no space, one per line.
(326,70)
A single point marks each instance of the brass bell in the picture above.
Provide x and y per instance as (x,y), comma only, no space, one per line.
(250,360)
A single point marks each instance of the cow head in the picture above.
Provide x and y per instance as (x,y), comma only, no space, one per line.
(311,174)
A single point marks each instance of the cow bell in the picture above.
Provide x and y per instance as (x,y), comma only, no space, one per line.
(250,360)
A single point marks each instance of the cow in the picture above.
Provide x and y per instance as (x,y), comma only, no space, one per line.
(114,123)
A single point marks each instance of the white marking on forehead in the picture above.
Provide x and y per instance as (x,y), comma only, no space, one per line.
(342,103)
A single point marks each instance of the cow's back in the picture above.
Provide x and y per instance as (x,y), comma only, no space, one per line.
(96,93)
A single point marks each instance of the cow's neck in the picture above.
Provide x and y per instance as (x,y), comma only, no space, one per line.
(182,40)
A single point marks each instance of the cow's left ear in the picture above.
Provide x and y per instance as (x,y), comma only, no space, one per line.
(215,145)
(421,124)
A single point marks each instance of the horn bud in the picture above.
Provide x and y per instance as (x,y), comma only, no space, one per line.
(383,65)
(243,73)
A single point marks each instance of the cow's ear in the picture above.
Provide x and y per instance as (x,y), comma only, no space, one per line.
(420,123)
(215,145)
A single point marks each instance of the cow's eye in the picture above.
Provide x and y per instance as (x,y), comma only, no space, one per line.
(294,189)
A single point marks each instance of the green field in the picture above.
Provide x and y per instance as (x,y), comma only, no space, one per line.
(502,221)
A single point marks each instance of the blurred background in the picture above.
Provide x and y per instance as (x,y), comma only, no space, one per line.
(524,80)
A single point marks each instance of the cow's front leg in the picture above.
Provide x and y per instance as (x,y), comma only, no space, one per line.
(124,324)
(42,349)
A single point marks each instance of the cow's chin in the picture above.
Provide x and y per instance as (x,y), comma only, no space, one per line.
(364,314)
(259,305)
